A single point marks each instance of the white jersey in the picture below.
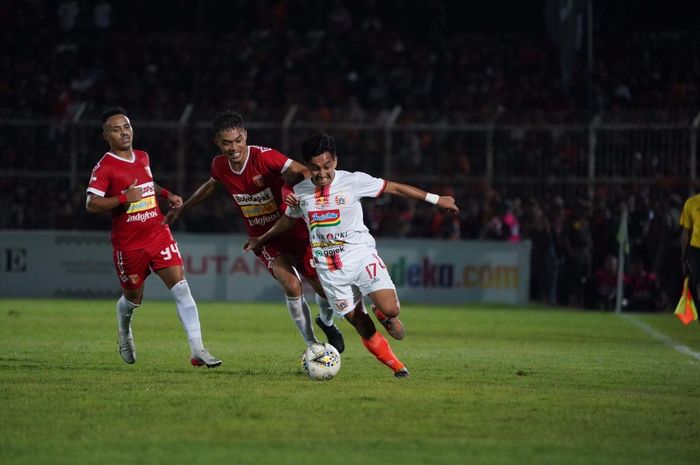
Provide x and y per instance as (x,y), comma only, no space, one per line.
(334,217)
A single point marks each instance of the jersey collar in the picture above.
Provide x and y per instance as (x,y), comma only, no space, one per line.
(245,163)
(125,160)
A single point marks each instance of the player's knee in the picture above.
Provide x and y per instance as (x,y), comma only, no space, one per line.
(391,309)
(292,287)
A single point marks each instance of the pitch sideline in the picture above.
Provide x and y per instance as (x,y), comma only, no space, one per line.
(682,348)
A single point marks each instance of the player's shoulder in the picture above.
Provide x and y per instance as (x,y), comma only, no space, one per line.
(139,154)
(692,202)
(261,150)
(352,176)
(266,154)
(219,159)
(304,187)
(106,161)
(219,162)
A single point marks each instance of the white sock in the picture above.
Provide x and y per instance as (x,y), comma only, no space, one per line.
(189,317)
(125,310)
(325,310)
(299,311)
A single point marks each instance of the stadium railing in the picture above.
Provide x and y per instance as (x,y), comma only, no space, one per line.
(516,159)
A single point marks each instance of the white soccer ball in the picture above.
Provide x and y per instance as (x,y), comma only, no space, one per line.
(320,361)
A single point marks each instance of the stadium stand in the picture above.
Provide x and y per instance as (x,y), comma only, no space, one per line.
(463,88)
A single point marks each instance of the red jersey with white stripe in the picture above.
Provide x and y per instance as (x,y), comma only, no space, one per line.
(135,225)
(257,189)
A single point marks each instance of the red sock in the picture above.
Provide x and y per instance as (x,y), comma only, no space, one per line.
(379,347)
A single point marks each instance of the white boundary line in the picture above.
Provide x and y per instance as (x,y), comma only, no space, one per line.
(682,348)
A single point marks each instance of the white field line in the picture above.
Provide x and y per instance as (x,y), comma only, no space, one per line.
(682,348)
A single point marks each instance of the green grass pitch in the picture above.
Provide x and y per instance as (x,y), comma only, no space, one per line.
(489,385)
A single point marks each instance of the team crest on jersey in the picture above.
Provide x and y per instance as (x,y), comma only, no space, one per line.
(340,199)
(342,304)
(326,219)
(134,278)
(258,180)
(322,201)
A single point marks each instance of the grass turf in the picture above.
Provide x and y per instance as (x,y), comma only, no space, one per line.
(489,385)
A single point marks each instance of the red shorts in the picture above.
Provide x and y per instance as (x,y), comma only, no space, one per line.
(134,265)
(300,250)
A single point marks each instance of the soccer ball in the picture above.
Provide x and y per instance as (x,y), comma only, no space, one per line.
(320,361)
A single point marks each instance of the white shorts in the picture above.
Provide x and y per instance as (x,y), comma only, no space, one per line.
(346,286)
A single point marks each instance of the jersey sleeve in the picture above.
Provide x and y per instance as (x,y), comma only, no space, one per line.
(99,180)
(368,186)
(276,161)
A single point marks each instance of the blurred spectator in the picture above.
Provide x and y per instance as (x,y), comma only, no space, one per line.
(641,289)
(605,284)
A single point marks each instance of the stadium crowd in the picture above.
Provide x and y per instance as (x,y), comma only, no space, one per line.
(353,62)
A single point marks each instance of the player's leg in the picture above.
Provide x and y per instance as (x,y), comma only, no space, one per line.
(324,320)
(375,281)
(373,340)
(168,266)
(284,272)
(347,301)
(132,269)
(386,307)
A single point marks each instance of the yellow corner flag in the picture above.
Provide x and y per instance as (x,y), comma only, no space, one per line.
(685,310)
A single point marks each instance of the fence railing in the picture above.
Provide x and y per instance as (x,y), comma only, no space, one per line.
(511,157)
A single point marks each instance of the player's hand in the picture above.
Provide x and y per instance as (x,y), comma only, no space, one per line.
(448,203)
(133,193)
(174,200)
(291,200)
(251,244)
(173,215)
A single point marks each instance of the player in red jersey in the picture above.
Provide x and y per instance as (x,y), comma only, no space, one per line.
(122,183)
(255,177)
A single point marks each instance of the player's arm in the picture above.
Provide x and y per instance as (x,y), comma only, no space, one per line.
(405,190)
(202,193)
(174,200)
(96,204)
(282,225)
(295,173)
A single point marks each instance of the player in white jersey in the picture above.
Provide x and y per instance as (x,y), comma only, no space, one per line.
(344,252)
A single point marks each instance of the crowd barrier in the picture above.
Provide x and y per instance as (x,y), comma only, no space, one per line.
(55,264)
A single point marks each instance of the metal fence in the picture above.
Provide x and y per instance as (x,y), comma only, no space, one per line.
(48,155)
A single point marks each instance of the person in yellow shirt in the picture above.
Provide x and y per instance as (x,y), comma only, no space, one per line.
(690,243)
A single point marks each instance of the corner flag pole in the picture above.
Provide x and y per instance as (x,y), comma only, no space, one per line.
(623,240)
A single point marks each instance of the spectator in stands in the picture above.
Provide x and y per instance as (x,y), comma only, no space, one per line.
(641,288)
(605,284)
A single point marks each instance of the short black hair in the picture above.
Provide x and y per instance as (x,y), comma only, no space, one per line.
(316,145)
(227,119)
(109,112)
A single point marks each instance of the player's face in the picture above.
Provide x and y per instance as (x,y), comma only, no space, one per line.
(322,169)
(118,132)
(232,143)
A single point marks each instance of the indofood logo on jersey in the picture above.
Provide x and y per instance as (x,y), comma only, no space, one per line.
(259,209)
(324,219)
